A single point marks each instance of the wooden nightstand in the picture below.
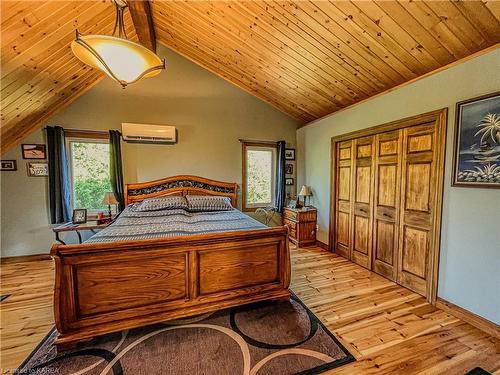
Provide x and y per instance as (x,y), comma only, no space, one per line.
(302,225)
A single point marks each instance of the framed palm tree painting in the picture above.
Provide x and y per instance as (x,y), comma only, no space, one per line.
(477,142)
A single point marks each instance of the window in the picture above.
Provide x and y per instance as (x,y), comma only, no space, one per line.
(89,172)
(259,175)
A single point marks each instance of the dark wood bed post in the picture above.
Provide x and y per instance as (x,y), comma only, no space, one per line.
(107,287)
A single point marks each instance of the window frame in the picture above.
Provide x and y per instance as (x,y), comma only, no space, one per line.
(264,145)
(84,137)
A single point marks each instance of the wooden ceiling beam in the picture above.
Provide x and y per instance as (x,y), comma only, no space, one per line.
(142,17)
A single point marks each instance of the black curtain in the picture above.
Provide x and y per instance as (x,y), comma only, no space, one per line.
(115,166)
(59,190)
(280,177)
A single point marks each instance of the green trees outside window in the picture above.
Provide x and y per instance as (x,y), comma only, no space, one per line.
(90,172)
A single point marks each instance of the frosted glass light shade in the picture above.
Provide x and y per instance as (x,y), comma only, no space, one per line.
(121,59)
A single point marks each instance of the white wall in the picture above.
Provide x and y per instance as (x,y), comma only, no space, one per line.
(211,115)
(469,271)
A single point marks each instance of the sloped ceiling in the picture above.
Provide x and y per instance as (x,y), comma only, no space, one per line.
(307,58)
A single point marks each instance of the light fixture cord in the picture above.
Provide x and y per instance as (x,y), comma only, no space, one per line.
(119,23)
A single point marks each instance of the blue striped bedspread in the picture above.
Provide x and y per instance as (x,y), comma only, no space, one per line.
(132,225)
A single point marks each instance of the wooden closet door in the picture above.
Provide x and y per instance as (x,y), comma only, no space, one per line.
(388,155)
(418,207)
(363,195)
(343,199)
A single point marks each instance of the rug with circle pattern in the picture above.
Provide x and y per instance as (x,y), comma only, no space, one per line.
(259,339)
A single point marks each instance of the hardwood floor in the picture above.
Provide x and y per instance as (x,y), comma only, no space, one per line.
(26,316)
(389,329)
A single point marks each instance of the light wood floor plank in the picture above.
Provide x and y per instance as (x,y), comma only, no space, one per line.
(389,329)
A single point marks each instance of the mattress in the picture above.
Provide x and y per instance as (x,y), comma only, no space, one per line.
(133,225)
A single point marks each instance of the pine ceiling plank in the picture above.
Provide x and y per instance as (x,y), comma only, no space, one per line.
(295,62)
(215,66)
(13,11)
(494,7)
(28,125)
(459,25)
(54,38)
(418,32)
(285,69)
(309,30)
(298,38)
(229,67)
(479,15)
(305,39)
(305,55)
(436,26)
(60,52)
(406,63)
(12,29)
(38,31)
(43,90)
(355,36)
(396,33)
(336,38)
(284,105)
(184,28)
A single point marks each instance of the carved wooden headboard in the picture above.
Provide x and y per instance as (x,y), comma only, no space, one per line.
(181,186)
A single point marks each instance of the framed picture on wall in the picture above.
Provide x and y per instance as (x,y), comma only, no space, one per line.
(9,165)
(33,151)
(289,181)
(288,168)
(37,169)
(476,160)
(290,154)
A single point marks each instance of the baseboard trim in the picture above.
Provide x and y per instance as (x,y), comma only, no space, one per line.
(25,258)
(323,245)
(477,321)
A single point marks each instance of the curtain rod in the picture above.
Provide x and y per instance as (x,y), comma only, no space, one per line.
(257,141)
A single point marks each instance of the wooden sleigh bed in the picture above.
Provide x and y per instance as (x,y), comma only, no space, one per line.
(108,287)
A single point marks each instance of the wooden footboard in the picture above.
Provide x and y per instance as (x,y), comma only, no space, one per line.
(107,287)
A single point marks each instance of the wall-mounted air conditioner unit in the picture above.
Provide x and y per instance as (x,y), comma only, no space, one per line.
(148,133)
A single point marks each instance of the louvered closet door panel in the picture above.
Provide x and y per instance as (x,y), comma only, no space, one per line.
(344,201)
(387,167)
(417,207)
(363,195)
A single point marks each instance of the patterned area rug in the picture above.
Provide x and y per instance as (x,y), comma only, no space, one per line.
(265,338)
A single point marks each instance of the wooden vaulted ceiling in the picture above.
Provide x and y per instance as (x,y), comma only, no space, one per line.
(307,58)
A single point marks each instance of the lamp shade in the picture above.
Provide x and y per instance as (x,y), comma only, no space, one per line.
(121,59)
(305,191)
(109,199)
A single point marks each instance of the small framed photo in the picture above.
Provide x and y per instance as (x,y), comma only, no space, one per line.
(477,142)
(9,165)
(289,181)
(37,169)
(292,203)
(288,168)
(290,154)
(33,151)
(79,215)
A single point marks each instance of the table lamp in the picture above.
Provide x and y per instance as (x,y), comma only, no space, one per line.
(109,199)
(305,192)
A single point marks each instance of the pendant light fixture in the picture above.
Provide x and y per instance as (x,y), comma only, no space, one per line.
(123,60)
